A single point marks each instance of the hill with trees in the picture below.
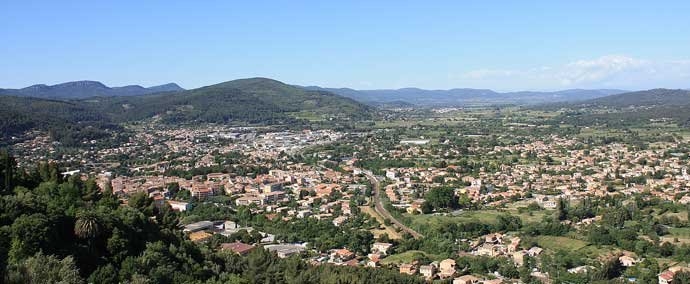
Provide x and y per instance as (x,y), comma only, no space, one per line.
(255,101)
(654,97)
(627,109)
(66,121)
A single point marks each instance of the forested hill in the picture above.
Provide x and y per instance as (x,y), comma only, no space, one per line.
(627,109)
(654,97)
(254,100)
(85,89)
(247,101)
(66,121)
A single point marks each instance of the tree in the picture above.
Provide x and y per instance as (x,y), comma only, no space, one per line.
(29,235)
(104,274)
(509,270)
(361,241)
(599,235)
(616,217)
(87,225)
(427,207)
(141,201)
(45,269)
(562,209)
(508,222)
(610,268)
(441,198)
(681,277)
(7,165)
(118,246)
(173,189)
(91,190)
(464,201)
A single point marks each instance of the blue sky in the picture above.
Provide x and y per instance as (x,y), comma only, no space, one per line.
(502,45)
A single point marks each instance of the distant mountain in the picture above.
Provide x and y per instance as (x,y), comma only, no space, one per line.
(654,97)
(85,89)
(464,96)
(628,109)
(66,121)
(169,87)
(253,100)
(246,101)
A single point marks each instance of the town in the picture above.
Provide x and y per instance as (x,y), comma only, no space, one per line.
(513,202)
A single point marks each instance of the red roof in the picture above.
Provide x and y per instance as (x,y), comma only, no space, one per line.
(237,247)
(667,275)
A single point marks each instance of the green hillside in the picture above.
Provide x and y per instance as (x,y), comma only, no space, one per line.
(623,110)
(68,122)
(654,97)
(255,101)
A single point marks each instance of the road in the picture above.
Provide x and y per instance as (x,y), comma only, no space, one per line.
(378,206)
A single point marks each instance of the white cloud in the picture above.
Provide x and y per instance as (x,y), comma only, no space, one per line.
(611,71)
(597,70)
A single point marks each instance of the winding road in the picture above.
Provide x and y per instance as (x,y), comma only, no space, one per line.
(378,207)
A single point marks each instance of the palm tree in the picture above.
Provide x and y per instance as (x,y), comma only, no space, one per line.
(87,226)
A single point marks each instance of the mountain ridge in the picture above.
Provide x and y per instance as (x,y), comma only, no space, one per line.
(87,88)
(252,101)
(378,97)
(627,109)
(648,98)
(465,96)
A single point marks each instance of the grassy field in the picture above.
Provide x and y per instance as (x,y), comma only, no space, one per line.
(680,233)
(570,244)
(556,243)
(677,236)
(407,257)
(484,216)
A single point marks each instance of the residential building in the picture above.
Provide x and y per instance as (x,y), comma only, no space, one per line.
(381,247)
(466,279)
(406,268)
(237,247)
(447,268)
(428,271)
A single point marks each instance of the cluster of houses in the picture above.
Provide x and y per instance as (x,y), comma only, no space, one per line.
(494,245)
(344,256)
(445,269)
(305,184)
(574,173)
